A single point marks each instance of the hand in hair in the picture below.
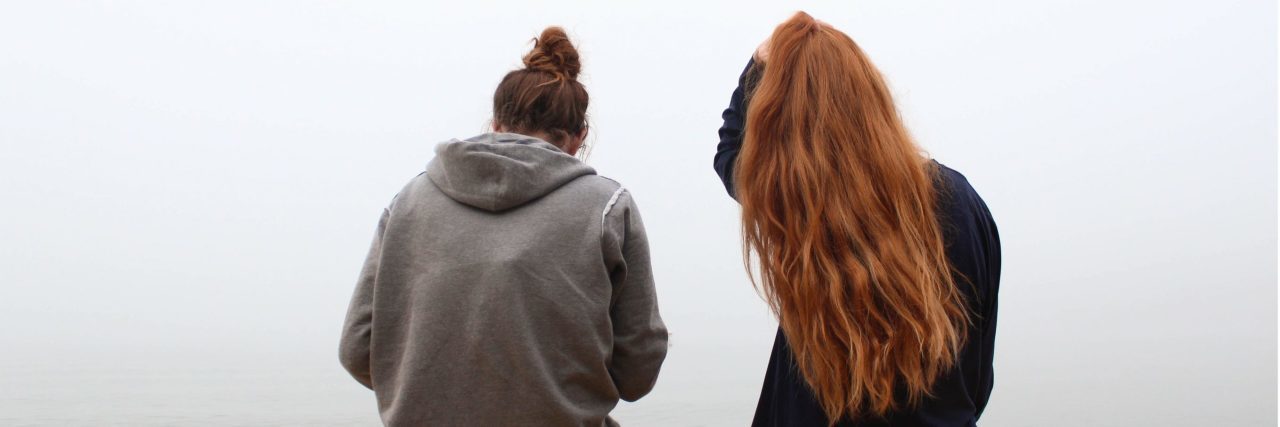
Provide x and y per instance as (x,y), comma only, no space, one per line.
(762,52)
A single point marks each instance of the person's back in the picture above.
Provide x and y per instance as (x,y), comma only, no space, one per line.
(508,284)
(960,394)
(882,265)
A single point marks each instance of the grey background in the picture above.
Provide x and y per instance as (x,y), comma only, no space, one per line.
(188,190)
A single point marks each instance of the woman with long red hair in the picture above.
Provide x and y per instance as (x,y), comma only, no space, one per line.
(881,264)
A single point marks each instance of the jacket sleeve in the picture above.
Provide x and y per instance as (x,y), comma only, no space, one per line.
(639,336)
(731,131)
(991,261)
(353,348)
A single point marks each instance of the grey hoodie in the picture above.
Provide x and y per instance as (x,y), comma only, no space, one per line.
(507,285)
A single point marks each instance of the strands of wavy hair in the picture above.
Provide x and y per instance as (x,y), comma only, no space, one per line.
(838,206)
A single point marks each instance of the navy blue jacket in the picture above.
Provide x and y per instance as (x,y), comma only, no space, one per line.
(973,248)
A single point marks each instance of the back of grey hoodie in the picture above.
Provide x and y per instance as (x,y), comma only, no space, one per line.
(507,285)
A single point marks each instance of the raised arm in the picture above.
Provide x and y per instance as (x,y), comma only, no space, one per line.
(731,131)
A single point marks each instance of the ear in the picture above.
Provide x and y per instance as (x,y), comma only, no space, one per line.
(575,142)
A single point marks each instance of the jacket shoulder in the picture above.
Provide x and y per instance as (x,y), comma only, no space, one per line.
(596,186)
(954,188)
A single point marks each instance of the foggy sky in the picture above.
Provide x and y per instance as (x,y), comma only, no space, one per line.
(189,189)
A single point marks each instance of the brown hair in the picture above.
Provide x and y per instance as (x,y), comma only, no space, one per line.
(838,205)
(544,96)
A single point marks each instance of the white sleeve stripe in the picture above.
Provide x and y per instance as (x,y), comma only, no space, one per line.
(609,206)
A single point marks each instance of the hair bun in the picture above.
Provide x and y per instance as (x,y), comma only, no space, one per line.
(554,53)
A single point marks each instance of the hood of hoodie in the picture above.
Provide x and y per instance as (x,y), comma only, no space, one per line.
(500,171)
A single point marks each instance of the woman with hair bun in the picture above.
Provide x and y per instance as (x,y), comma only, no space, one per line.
(881,264)
(508,284)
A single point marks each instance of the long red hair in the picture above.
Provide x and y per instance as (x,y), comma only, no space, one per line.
(838,206)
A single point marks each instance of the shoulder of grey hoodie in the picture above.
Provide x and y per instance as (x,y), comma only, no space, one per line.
(616,201)
(608,199)
(623,240)
(640,335)
(619,198)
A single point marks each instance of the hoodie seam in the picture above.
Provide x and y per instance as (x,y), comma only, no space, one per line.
(608,207)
